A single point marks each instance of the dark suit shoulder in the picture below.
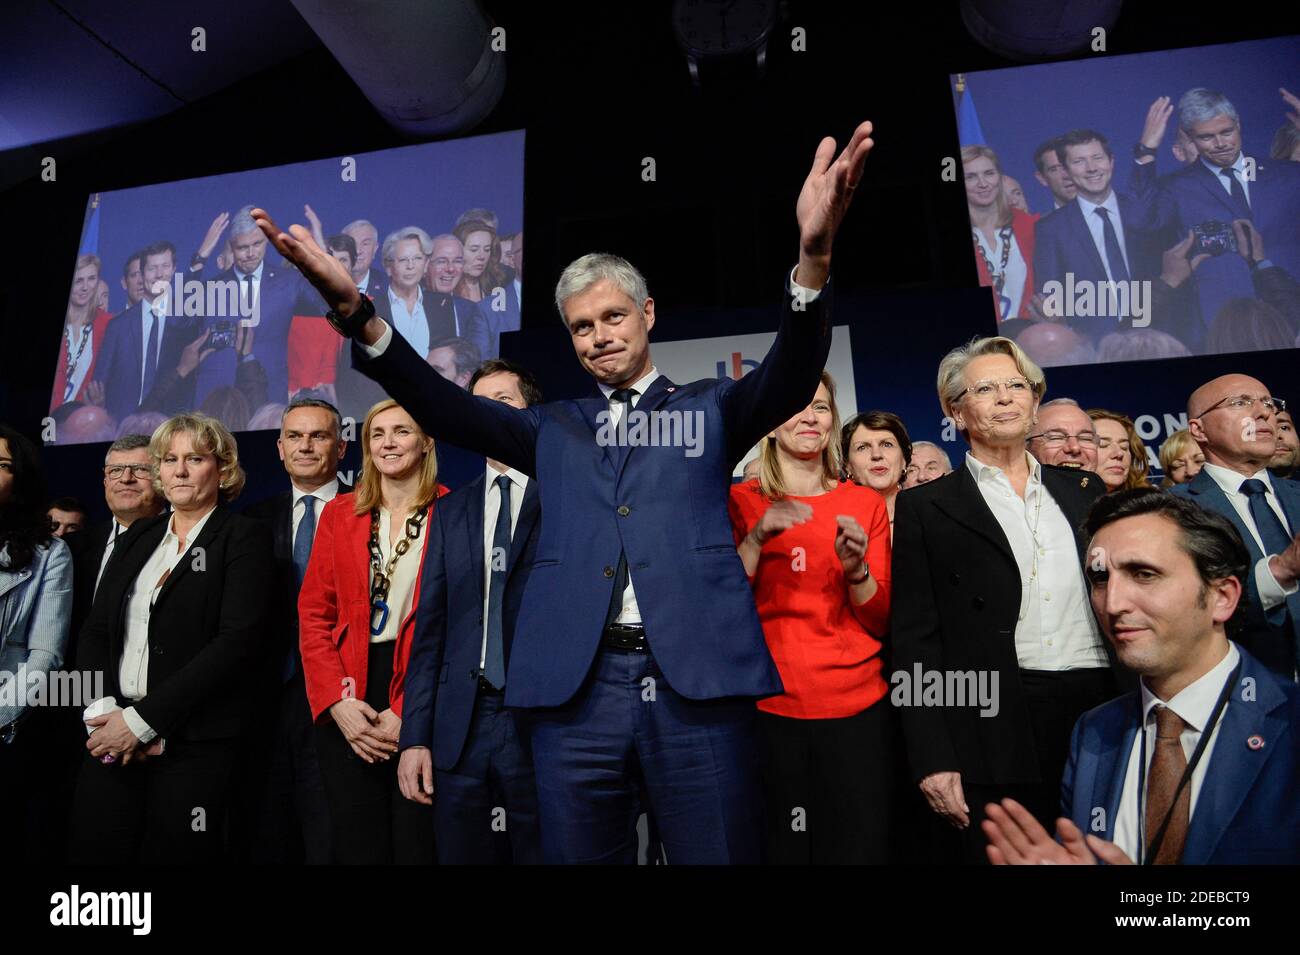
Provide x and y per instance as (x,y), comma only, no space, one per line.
(462,494)
(270,508)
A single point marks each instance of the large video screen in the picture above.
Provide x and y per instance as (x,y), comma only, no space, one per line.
(1135,207)
(179,303)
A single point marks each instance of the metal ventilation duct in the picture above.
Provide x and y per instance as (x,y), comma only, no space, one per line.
(427,66)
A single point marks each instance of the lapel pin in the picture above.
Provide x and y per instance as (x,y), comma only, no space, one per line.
(1255,742)
(1083,482)
(671,388)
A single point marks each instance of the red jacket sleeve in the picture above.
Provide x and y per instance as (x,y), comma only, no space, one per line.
(874,614)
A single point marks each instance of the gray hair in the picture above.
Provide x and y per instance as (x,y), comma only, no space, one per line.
(243,222)
(128,442)
(1200,104)
(406,232)
(444,237)
(356,224)
(947,461)
(581,274)
(313,403)
(952,369)
(1060,401)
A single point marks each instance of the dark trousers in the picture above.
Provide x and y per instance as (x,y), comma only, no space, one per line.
(39,771)
(372,822)
(292,814)
(828,788)
(485,807)
(167,810)
(1056,699)
(627,728)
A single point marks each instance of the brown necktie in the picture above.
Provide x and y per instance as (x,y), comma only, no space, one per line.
(1168,762)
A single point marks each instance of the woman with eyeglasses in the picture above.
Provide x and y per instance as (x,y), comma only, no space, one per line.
(1121,455)
(817,553)
(1181,459)
(356,614)
(988,582)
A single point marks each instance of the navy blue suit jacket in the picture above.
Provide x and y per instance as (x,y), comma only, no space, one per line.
(442,675)
(666,510)
(1063,243)
(1265,635)
(1246,813)
(118,366)
(1193,195)
(283,293)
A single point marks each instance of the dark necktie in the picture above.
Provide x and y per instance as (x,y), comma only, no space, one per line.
(1168,763)
(1234,184)
(494,665)
(624,396)
(1115,257)
(150,355)
(302,541)
(1270,529)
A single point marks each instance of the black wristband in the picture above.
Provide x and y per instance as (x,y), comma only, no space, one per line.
(350,327)
(866,574)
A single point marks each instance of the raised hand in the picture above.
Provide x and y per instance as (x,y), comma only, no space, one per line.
(317,232)
(1294,102)
(850,545)
(780,517)
(326,273)
(825,198)
(213,234)
(93,394)
(192,355)
(1176,268)
(1153,130)
(1017,838)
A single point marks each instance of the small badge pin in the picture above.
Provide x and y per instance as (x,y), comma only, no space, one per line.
(1255,742)
(671,388)
(1083,482)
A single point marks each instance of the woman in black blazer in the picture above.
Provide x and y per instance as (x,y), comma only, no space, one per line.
(178,631)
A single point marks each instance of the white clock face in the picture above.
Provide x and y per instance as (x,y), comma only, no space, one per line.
(719,27)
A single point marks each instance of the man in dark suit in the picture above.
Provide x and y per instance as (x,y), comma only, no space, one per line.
(1221,185)
(144,343)
(1234,421)
(268,299)
(370,281)
(1091,239)
(461,748)
(988,587)
(638,650)
(288,811)
(1166,577)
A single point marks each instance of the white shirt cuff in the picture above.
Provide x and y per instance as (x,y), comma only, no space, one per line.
(137,725)
(1271,593)
(377,349)
(101,707)
(800,292)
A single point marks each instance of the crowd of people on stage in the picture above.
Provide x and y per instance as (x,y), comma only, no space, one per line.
(123,372)
(1203,260)
(861,648)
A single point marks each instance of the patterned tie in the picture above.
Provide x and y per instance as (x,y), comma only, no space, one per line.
(1271,532)
(623,396)
(1168,763)
(494,666)
(1114,256)
(1234,184)
(302,541)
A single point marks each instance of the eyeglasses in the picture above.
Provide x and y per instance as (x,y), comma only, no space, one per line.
(986,388)
(410,260)
(1054,439)
(1245,402)
(139,471)
(442,262)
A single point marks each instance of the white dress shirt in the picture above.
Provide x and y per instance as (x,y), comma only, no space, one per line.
(133,671)
(364,284)
(83,349)
(1013,285)
(1239,167)
(1056,629)
(631,613)
(1271,593)
(1194,705)
(323,494)
(117,528)
(491,509)
(412,324)
(1097,229)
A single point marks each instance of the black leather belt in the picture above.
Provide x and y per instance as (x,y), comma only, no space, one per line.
(625,638)
(485,687)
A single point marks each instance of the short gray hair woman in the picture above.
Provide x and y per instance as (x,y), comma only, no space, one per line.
(988,579)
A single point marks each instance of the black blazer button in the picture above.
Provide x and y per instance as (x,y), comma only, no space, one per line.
(473,673)
(156,649)
(608,571)
(955,578)
(978,603)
